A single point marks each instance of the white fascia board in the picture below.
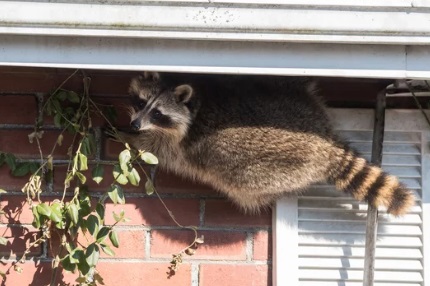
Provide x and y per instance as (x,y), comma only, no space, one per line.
(393,22)
(272,58)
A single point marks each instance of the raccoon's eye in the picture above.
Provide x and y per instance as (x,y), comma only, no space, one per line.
(141,104)
(156,114)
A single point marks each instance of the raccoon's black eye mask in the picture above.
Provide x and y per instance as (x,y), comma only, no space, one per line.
(137,102)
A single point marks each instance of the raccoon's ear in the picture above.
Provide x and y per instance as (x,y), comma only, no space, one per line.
(183,93)
(154,76)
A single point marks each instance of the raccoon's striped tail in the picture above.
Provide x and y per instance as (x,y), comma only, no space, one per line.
(354,175)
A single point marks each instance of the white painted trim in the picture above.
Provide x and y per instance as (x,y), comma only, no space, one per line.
(285,242)
(336,21)
(272,58)
(354,3)
(216,36)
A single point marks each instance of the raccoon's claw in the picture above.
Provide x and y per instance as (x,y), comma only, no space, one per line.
(112,134)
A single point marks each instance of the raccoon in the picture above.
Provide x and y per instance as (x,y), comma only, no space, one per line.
(252,138)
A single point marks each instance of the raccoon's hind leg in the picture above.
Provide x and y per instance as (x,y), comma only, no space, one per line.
(354,175)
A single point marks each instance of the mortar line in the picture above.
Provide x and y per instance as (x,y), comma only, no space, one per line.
(202,212)
(195,274)
(148,244)
(249,248)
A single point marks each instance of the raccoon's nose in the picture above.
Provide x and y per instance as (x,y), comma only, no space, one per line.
(135,125)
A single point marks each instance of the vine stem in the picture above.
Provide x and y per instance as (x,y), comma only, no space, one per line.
(193,228)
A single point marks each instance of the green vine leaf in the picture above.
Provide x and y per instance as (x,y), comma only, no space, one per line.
(149,187)
(81,177)
(56,214)
(106,249)
(73,213)
(149,158)
(44,209)
(98,173)
(36,217)
(124,161)
(67,264)
(84,206)
(100,209)
(58,120)
(10,160)
(93,224)
(113,237)
(21,169)
(83,162)
(73,97)
(77,255)
(116,194)
(3,240)
(102,234)
(119,217)
(61,95)
(133,177)
(83,267)
(118,175)
(92,254)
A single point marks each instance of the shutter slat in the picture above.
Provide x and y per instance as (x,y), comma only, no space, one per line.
(385,276)
(358,263)
(355,251)
(389,148)
(389,136)
(310,215)
(359,227)
(351,283)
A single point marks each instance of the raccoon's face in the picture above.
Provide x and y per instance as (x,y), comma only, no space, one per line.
(160,108)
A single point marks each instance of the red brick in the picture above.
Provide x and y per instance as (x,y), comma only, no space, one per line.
(150,211)
(234,275)
(217,245)
(112,149)
(18,109)
(19,239)
(131,244)
(120,106)
(262,246)
(16,210)
(172,184)
(34,273)
(143,273)
(9,182)
(26,80)
(25,149)
(37,80)
(224,213)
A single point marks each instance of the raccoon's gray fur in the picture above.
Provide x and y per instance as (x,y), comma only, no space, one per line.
(252,138)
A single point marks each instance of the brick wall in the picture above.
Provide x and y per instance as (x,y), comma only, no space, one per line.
(237,247)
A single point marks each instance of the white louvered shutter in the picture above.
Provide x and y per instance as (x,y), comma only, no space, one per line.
(330,226)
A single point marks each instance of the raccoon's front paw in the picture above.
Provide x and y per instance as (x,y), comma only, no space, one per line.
(111,133)
(118,134)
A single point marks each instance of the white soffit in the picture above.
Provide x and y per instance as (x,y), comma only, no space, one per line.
(351,38)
